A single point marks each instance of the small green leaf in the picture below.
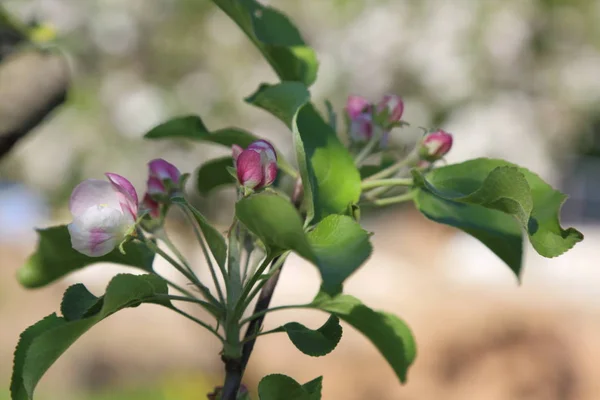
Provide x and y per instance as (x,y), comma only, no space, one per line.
(215,240)
(77,302)
(315,343)
(331,180)
(509,189)
(337,245)
(282,100)
(341,247)
(281,387)
(275,37)
(43,343)
(54,258)
(276,223)
(314,388)
(388,333)
(213,174)
(192,127)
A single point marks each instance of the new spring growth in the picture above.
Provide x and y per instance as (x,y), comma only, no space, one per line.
(104,214)
(256,166)
(435,145)
(389,111)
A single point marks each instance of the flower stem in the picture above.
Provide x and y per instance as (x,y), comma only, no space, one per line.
(200,240)
(367,150)
(395,199)
(410,160)
(199,322)
(203,289)
(370,184)
(268,310)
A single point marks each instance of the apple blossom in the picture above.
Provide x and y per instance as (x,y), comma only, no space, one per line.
(104,213)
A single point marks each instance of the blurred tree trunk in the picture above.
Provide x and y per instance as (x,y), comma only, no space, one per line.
(33,83)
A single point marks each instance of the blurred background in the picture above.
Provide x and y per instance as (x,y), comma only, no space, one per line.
(516,79)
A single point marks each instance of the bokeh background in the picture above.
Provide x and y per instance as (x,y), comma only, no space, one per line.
(517,79)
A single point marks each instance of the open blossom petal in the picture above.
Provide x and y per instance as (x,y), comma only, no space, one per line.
(92,192)
(126,193)
(98,230)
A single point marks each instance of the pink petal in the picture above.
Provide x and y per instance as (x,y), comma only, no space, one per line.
(148,204)
(163,170)
(155,186)
(394,105)
(99,230)
(236,151)
(361,128)
(270,173)
(356,105)
(265,147)
(249,169)
(92,192)
(125,192)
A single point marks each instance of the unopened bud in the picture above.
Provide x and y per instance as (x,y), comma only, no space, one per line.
(256,166)
(390,109)
(435,145)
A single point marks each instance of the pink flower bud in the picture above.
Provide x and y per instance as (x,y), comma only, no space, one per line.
(163,170)
(356,105)
(391,107)
(257,165)
(103,214)
(151,206)
(361,128)
(435,145)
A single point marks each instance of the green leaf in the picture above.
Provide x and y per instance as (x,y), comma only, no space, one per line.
(54,258)
(276,223)
(275,37)
(192,127)
(506,188)
(337,245)
(314,388)
(77,302)
(499,233)
(331,180)
(388,333)
(315,343)
(282,100)
(43,343)
(216,242)
(213,174)
(341,247)
(281,387)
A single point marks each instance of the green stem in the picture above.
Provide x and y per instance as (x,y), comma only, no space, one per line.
(396,199)
(367,150)
(203,289)
(410,160)
(253,337)
(200,240)
(370,184)
(177,287)
(276,265)
(199,322)
(268,310)
(239,309)
(162,235)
